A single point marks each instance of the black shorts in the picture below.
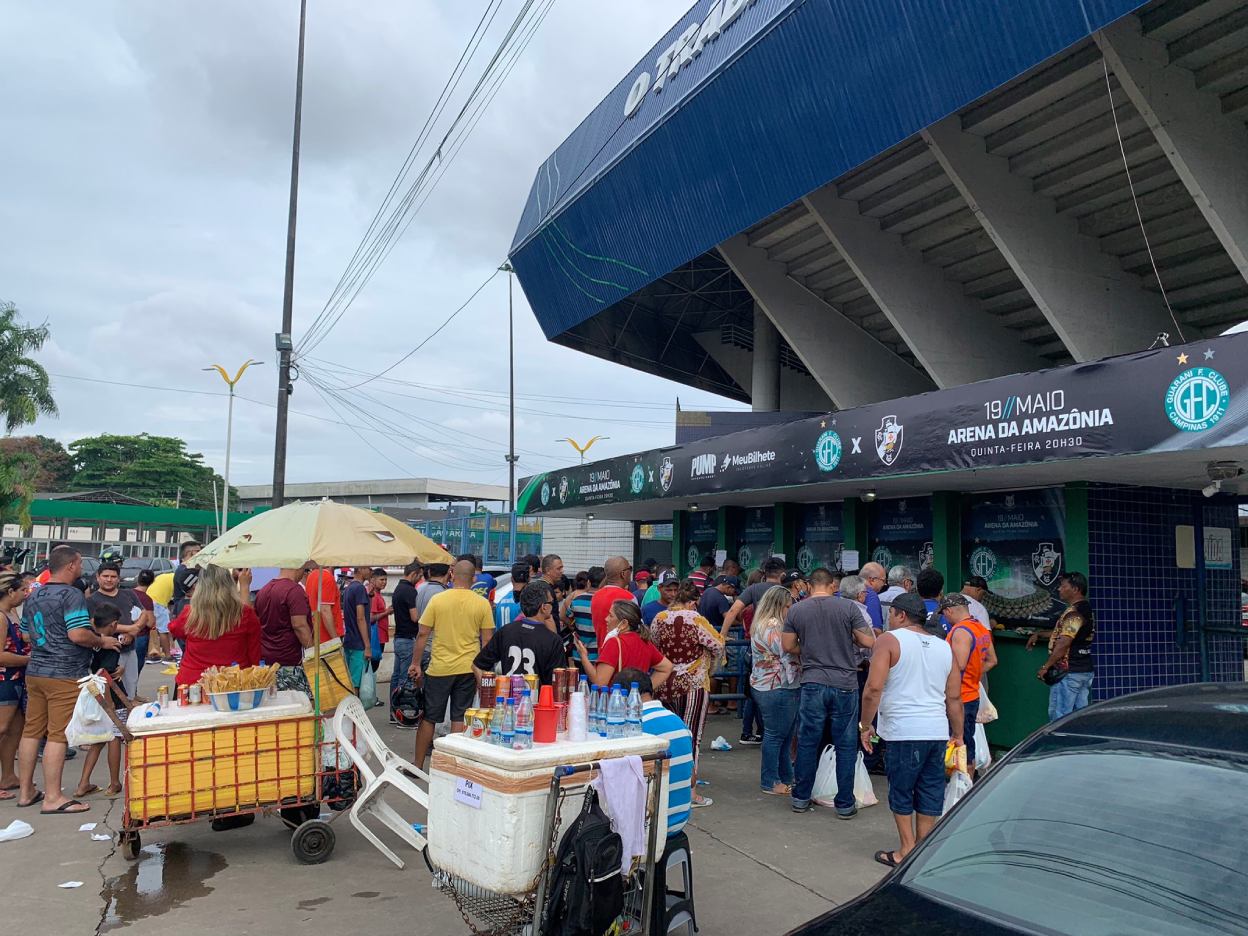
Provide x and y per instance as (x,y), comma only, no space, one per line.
(458,690)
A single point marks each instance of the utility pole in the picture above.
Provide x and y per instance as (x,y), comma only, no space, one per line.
(229,434)
(511,395)
(283,341)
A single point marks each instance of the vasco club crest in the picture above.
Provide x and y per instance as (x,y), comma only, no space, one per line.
(563,489)
(888,440)
(1046,562)
(667,473)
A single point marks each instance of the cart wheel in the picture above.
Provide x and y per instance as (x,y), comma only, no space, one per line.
(295,816)
(313,842)
(130,845)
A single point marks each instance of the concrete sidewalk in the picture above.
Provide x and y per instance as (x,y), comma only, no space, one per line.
(759,868)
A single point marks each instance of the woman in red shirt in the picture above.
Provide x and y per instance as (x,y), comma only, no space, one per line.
(628,646)
(218,628)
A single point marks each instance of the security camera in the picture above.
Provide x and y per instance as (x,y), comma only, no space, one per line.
(1213,487)
(867,496)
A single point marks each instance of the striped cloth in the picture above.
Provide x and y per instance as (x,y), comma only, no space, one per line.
(582,618)
(657,720)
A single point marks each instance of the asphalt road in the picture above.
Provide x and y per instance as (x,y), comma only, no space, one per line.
(759,868)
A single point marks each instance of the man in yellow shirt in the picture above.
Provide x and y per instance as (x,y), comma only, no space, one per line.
(464,623)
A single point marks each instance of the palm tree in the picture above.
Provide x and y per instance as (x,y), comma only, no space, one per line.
(25,391)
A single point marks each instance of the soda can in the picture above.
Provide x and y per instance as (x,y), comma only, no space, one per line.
(518,685)
(184,694)
(530,683)
(486,689)
(162,696)
(478,726)
(196,694)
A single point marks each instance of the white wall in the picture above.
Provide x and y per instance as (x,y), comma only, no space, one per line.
(584,543)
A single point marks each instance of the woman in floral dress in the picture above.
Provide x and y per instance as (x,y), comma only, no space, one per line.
(694,647)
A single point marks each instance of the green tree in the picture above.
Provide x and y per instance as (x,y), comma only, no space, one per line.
(54,467)
(25,390)
(157,469)
(25,395)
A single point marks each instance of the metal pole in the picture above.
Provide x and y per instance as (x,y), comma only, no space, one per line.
(283,342)
(229,435)
(511,397)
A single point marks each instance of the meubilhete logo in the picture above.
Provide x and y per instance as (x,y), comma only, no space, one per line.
(702,466)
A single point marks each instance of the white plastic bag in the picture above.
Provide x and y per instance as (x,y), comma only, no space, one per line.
(987,711)
(368,687)
(958,785)
(983,756)
(864,792)
(89,724)
(824,790)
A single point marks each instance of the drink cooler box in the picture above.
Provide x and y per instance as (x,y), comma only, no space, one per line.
(500,846)
(190,760)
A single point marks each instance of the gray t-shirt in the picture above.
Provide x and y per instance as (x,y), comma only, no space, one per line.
(424,594)
(753,594)
(824,626)
(48,617)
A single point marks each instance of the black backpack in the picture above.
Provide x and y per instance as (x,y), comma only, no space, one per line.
(586,890)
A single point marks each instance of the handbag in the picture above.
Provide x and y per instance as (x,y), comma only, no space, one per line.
(1056,673)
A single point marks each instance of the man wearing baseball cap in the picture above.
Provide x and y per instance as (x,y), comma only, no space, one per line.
(916,689)
(973,656)
(717,599)
(668,584)
(641,584)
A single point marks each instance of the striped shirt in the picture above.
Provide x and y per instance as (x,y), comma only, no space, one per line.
(657,720)
(583,620)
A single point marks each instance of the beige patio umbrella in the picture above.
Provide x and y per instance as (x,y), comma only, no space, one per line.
(324,532)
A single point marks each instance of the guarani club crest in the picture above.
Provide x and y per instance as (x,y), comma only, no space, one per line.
(888,440)
(637,480)
(828,450)
(1198,397)
(545,493)
(1046,563)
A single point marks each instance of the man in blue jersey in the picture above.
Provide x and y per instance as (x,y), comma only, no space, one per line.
(662,723)
(484,583)
(508,609)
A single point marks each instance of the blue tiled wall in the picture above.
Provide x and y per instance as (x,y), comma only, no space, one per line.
(1133,582)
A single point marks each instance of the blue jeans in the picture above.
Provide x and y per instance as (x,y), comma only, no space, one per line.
(820,704)
(140,650)
(403,649)
(1069,695)
(779,710)
(751,714)
(969,711)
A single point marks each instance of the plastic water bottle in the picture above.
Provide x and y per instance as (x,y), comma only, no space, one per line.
(523,739)
(602,711)
(632,715)
(496,721)
(616,711)
(509,724)
(592,700)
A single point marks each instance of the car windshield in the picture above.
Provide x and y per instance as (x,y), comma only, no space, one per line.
(1100,841)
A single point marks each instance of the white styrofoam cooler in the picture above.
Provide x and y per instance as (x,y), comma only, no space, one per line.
(500,845)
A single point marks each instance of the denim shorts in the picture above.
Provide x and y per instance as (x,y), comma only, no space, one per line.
(12,692)
(916,776)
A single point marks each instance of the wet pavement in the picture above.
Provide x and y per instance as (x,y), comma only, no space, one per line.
(759,868)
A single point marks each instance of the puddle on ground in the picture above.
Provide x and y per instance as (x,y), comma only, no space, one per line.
(313,902)
(367,894)
(165,876)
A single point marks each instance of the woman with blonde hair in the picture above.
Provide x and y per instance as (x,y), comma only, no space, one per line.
(219,629)
(774,681)
(694,647)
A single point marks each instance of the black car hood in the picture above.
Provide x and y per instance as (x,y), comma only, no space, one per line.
(898,911)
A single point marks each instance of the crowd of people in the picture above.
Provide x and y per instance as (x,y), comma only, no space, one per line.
(882,662)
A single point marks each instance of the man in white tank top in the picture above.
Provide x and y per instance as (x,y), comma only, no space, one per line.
(917,691)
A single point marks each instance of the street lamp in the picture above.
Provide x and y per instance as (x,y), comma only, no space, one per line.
(229,432)
(583,448)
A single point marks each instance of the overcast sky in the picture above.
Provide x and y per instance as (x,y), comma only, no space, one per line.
(146,163)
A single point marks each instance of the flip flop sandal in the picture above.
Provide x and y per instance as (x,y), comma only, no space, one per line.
(112,792)
(785,792)
(88,791)
(6,795)
(10,789)
(65,809)
(38,799)
(886,858)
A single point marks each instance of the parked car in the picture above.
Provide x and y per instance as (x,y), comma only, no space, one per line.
(1125,817)
(130,568)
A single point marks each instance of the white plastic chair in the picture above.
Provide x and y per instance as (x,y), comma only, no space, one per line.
(354,730)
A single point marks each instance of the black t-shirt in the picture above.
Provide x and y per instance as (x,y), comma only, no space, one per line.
(404,601)
(713,606)
(124,601)
(1081,657)
(184,579)
(525,647)
(107,660)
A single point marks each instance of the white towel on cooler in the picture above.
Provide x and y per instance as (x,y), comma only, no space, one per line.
(622,786)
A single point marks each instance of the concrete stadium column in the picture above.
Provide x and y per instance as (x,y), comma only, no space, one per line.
(955,340)
(1206,148)
(1096,307)
(765,376)
(852,367)
(798,391)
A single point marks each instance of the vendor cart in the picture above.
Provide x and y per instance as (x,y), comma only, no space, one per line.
(504,893)
(192,763)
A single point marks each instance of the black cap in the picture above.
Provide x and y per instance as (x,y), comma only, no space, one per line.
(977,581)
(791,577)
(728,580)
(910,603)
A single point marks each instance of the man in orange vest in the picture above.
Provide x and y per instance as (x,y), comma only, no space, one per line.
(973,656)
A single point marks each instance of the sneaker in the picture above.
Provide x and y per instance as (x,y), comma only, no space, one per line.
(803,807)
(752,740)
(847,813)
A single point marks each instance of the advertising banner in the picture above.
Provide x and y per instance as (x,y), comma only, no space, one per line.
(820,536)
(1017,542)
(756,537)
(900,533)
(1194,396)
(699,536)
